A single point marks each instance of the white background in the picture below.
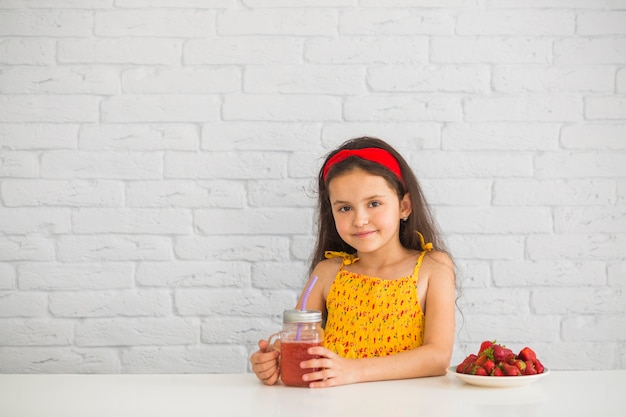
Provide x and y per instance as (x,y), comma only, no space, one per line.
(157,161)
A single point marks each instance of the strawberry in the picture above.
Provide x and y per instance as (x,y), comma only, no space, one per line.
(482,359)
(485,345)
(510,359)
(464,366)
(530,369)
(465,369)
(489,366)
(500,352)
(497,371)
(538,366)
(479,370)
(521,365)
(510,370)
(527,354)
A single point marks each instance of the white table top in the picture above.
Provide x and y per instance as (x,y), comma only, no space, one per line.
(565,393)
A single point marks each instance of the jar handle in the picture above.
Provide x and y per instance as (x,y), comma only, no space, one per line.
(271,344)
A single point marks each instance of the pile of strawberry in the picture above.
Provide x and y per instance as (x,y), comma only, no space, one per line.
(497,360)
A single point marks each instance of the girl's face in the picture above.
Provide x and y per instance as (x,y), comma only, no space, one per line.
(366,210)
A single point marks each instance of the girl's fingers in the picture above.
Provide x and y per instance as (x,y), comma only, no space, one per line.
(324,370)
(269,377)
(263,361)
(323,363)
(264,368)
(265,365)
(320,379)
(271,380)
(321,351)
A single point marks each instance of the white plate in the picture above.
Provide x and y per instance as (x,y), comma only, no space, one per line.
(497,381)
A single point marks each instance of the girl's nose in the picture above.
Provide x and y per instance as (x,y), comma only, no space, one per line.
(360,220)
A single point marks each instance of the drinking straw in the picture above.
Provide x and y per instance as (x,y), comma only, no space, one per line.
(305,298)
(307,292)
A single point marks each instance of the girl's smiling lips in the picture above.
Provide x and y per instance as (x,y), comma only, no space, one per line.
(363,234)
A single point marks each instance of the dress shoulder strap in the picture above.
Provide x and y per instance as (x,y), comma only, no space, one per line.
(426,247)
(347,258)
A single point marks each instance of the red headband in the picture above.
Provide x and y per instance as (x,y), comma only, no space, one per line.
(378,155)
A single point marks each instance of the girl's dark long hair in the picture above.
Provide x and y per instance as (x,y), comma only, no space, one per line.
(421,218)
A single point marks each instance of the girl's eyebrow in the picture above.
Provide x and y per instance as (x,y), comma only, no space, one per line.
(372,197)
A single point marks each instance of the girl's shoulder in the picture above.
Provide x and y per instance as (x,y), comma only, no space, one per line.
(326,270)
(437,263)
(327,266)
(439,257)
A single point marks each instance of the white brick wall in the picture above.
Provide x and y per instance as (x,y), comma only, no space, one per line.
(157,162)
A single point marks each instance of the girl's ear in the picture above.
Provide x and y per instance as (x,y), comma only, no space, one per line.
(405,206)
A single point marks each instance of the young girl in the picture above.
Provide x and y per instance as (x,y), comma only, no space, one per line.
(386,295)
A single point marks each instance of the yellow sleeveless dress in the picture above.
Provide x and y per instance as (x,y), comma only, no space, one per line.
(370,316)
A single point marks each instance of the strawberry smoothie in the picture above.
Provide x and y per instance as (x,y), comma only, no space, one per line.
(291,354)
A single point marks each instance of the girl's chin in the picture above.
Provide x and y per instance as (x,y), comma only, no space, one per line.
(365,247)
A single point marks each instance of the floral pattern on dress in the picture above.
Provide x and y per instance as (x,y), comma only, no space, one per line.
(369,316)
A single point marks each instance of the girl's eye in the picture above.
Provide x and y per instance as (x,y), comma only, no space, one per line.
(344,209)
(375,204)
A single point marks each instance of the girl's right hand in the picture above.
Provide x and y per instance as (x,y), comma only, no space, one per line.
(265,363)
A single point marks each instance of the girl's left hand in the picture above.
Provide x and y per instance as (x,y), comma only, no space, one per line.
(335,370)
